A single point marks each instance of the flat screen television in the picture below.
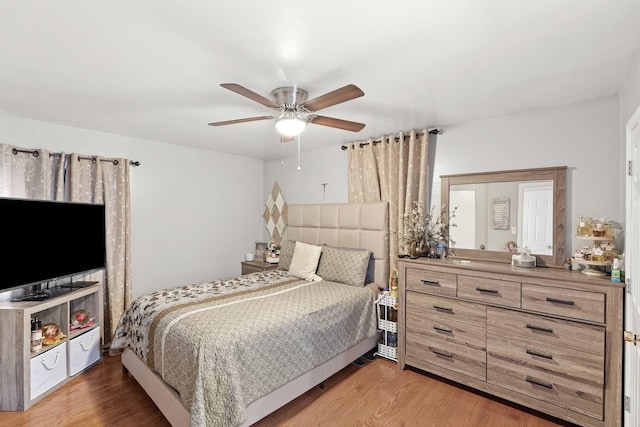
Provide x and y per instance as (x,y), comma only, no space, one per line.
(44,240)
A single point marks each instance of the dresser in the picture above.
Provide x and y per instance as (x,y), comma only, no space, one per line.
(549,339)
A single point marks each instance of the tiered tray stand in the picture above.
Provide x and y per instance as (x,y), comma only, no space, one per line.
(593,267)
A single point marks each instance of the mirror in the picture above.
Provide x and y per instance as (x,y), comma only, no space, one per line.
(498,212)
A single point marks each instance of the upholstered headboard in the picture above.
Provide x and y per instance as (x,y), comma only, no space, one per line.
(352,225)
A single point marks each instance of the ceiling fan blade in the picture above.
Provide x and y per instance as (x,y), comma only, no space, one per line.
(343,94)
(248,119)
(241,90)
(336,123)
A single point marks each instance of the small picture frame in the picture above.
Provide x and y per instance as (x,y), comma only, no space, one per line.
(501,208)
(261,249)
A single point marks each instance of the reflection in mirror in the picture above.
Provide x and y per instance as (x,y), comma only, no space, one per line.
(499,212)
(504,216)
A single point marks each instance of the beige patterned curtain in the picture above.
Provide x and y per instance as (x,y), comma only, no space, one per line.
(392,169)
(25,173)
(59,171)
(75,178)
(106,181)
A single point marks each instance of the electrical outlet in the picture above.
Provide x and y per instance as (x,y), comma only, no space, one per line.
(514,230)
(627,403)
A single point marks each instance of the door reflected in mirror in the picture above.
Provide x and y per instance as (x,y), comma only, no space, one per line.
(504,216)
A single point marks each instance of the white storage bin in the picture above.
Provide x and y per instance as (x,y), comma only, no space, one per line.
(48,369)
(387,325)
(389,301)
(387,351)
(84,350)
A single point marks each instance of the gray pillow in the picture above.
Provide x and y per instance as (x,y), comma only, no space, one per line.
(344,265)
(286,253)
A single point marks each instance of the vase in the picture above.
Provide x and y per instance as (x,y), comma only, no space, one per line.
(418,251)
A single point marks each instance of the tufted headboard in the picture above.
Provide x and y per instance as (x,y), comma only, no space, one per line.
(352,225)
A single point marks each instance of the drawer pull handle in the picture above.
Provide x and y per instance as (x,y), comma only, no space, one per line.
(540,354)
(441,308)
(442,353)
(430,282)
(55,362)
(88,346)
(560,301)
(487,291)
(538,382)
(443,329)
(538,328)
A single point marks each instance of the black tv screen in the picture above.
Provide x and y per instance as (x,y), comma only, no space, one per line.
(44,240)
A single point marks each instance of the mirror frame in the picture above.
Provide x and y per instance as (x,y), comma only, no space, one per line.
(556,174)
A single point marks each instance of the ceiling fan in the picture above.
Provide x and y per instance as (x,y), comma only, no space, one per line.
(295,112)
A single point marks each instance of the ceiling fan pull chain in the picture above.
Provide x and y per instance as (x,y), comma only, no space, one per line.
(281,152)
(299,152)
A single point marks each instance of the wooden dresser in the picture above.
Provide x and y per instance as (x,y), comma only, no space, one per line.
(548,339)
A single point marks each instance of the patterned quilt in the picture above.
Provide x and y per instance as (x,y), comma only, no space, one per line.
(224,344)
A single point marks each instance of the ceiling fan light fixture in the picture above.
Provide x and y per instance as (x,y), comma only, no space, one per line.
(290,123)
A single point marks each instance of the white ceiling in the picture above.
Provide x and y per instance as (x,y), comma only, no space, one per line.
(152,69)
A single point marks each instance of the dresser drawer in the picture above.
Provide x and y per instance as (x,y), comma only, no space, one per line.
(564,302)
(489,291)
(422,306)
(48,369)
(565,361)
(455,357)
(563,356)
(447,330)
(431,281)
(565,392)
(546,331)
(84,351)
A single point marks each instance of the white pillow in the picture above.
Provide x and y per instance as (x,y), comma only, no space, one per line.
(305,261)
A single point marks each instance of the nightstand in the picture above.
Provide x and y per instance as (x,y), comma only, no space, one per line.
(254,266)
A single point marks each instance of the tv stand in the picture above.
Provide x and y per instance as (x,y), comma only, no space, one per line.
(28,377)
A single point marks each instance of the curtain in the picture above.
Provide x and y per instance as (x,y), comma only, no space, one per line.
(394,170)
(76,178)
(25,174)
(106,181)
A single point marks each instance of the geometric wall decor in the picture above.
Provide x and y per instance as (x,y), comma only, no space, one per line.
(275,214)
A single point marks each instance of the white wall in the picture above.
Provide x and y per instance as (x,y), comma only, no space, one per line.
(584,137)
(629,103)
(194,212)
(630,95)
(305,185)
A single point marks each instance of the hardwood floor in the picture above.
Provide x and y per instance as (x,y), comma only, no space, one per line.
(376,394)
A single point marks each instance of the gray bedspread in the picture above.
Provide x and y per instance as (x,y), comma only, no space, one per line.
(224,344)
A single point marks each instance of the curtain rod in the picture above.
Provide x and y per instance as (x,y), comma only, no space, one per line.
(36,153)
(432,131)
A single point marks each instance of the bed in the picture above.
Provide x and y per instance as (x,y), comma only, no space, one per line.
(244,367)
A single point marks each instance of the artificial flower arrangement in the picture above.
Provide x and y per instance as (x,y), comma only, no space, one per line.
(423,231)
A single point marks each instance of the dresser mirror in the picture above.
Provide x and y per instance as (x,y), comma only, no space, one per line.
(499,213)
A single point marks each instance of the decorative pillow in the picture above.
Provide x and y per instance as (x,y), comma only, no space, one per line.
(344,265)
(286,253)
(305,261)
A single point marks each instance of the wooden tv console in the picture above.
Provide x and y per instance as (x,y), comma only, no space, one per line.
(27,377)
(548,339)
